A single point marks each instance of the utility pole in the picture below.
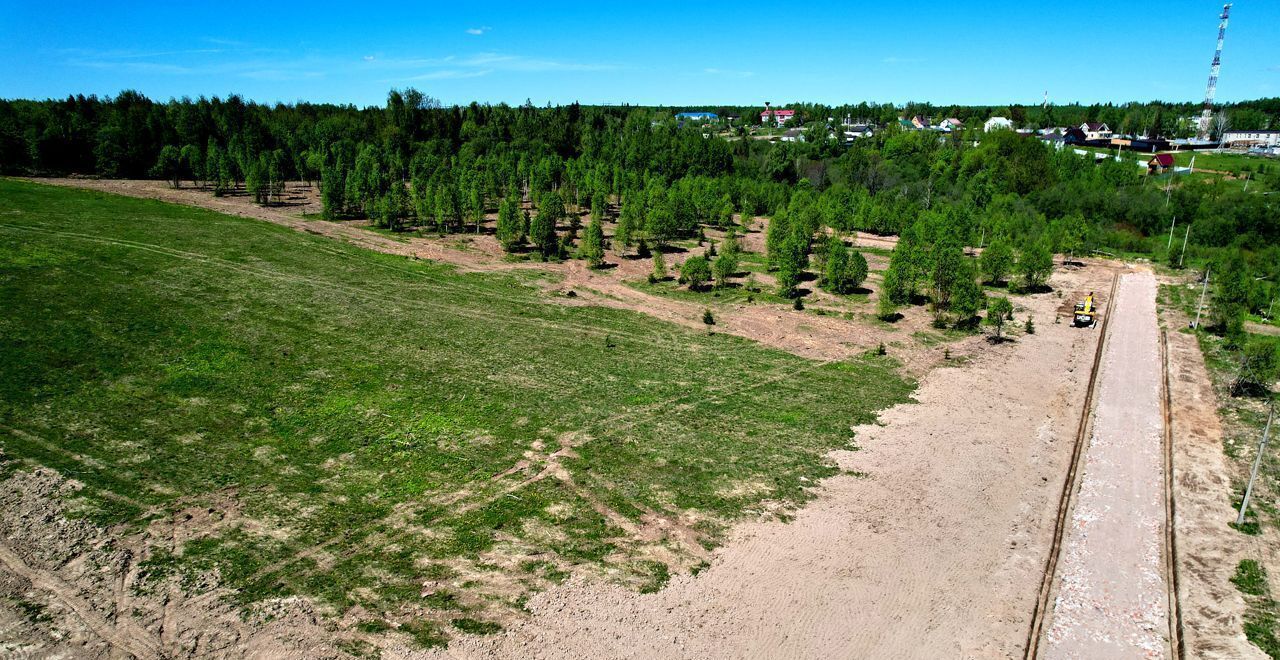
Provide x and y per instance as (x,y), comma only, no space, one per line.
(1184,246)
(1203,289)
(1257,460)
(1171,226)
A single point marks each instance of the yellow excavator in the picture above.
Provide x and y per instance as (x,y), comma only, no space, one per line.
(1086,312)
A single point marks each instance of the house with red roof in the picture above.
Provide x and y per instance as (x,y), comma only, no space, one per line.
(780,117)
(1160,163)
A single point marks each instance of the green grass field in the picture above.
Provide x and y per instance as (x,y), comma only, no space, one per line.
(381,423)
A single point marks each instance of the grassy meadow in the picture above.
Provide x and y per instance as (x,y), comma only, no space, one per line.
(370,424)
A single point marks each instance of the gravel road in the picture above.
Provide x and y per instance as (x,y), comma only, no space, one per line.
(1112,598)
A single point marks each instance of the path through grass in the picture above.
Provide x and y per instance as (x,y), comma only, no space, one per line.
(381,424)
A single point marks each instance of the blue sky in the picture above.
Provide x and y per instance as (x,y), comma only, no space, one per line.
(670,53)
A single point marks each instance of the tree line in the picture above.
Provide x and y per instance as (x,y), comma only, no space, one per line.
(416,163)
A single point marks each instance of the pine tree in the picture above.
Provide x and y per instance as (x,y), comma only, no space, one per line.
(592,248)
(659,266)
(542,231)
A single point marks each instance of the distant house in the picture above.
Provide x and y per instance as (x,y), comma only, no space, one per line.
(1261,139)
(920,123)
(856,131)
(698,116)
(793,135)
(998,124)
(1160,163)
(1096,131)
(780,117)
(1073,135)
(906,125)
(951,124)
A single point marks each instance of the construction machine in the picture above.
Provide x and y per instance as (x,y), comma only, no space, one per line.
(1086,313)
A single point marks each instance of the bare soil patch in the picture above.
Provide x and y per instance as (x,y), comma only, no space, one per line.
(1207,549)
(930,545)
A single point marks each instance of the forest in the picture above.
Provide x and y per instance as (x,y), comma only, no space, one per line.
(415,163)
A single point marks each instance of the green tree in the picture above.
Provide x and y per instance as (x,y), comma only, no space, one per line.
(628,224)
(1231,289)
(1035,264)
(392,208)
(659,266)
(695,271)
(725,266)
(996,261)
(845,270)
(967,298)
(948,267)
(997,313)
(592,248)
(542,229)
(193,163)
(169,165)
(510,229)
(778,231)
(661,224)
(793,258)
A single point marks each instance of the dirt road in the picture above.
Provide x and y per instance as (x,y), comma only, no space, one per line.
(1112,596)
(931,545)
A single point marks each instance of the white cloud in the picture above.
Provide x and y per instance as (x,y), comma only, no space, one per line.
(369,58)
(477,31)
(448,74)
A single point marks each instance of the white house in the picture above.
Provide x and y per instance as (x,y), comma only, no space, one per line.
(1251,139)
(997,124)
(793,135)
(856,131)
(951,124)
(1096,131)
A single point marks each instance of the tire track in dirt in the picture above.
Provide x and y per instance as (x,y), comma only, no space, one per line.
(469,501)
(124,635)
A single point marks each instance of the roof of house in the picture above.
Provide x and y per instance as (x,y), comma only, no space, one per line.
(1094,126)
(795,132)
(698,115)
(782,113)
(953,120)
(1163,160)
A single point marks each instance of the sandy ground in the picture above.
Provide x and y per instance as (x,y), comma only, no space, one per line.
(1112,595)
(1207,549)
(930,545)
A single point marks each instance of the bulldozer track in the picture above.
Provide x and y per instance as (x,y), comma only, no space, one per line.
(1177,647)
(1041,608)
